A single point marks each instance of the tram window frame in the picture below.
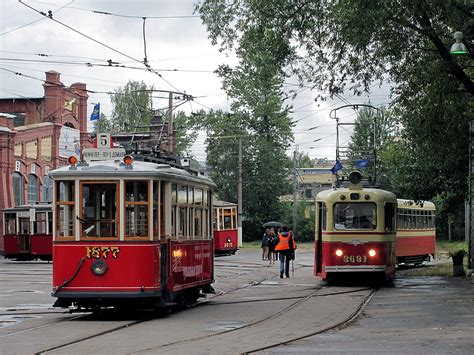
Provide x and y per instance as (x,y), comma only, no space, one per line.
(182,211)
(10,228)
(137,204)
(65,204)
(358,204)
(324,216)
(39,225)
(116,220)
(390,210)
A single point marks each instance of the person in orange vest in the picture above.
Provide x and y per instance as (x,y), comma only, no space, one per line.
(286,248)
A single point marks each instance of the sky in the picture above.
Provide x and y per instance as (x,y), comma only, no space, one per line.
(177,47)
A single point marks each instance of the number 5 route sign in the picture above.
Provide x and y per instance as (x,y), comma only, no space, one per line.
(103,141)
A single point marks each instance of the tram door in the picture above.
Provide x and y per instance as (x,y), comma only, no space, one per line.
(321,225)
(24,235)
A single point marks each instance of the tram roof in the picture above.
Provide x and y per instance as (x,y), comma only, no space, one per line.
(377,195)
(37,206)
(410,204)
(219,203)
(113,169)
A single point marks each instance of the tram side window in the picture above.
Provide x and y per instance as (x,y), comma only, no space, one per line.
(182,210)
(324,216)
(174,203)
(40,223)
(10,223)
(65,206)
(197,212)
(389,211)
(136,208)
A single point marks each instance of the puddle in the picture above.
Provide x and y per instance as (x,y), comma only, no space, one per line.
(224,325)
(8,321)
(26,307)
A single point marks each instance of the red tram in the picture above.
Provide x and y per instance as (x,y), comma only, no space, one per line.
(28,232)
(416,232)
(355,231)
(225,228)
(131,233)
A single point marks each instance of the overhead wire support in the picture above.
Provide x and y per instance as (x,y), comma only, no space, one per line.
(49,15)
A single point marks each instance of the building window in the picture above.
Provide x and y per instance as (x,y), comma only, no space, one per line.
(32,150)
(47,189)
(18,150)
(46,148)
(32,189)
(17,189)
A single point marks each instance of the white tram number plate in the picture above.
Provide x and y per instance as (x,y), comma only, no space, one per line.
(228,245)
(354,259)
(102,252)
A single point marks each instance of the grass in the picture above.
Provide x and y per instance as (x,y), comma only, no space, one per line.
(442,266)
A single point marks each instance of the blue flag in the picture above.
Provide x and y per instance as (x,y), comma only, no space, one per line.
(362,163)
(338,166)
(95,115)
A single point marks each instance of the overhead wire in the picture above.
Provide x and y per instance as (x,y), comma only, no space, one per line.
(38,20)
(100,43)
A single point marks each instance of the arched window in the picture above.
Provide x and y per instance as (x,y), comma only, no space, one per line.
(32,189)
(17,189)
(47,189)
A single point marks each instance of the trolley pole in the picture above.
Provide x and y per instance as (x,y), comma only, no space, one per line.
(295,190)
(239,196)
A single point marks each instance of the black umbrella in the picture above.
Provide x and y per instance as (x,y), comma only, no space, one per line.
(272,224)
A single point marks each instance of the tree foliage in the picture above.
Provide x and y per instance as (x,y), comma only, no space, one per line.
(132,107)
(338,44)
(102,125)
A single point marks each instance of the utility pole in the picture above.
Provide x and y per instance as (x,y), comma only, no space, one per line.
(295,191)
(170,123)
(470,208)
(239,196)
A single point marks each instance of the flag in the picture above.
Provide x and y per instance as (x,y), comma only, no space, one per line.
(95,115)
(362,163)
(338,166)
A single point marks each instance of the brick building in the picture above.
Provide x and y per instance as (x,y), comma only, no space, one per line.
(38,135)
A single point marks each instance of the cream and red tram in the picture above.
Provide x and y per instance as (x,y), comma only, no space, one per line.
(355,232)
(416,232)
(134,233)
(225,227)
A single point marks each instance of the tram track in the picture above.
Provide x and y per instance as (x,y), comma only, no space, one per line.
(269,318)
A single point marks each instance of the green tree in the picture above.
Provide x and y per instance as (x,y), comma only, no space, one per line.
(349,43)
(132,107)
(186,132)
(102,125)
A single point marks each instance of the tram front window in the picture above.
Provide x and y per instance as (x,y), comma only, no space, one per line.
(355,216)
(99,210)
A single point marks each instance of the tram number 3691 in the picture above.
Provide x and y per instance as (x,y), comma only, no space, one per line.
(102,252)
(354,259)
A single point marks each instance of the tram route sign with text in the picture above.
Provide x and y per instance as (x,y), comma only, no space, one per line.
(92,154)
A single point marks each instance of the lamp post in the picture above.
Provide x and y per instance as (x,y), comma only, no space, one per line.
(459,48)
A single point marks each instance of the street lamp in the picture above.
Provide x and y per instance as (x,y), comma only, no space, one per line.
(458,48)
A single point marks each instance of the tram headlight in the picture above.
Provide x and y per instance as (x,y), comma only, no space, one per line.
(372,252)
(128,160)
(99,267)
(72,160)
(229,240)
(339,252)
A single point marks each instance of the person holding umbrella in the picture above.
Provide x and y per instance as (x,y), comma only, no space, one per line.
(286,247)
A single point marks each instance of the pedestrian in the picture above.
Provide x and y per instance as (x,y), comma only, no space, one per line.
(286,247)
(278,231)
(265,244)
(271,246)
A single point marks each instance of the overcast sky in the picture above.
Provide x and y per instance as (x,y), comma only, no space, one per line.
(177,40)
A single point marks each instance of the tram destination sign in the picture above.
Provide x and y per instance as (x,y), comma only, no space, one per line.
(92,154)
